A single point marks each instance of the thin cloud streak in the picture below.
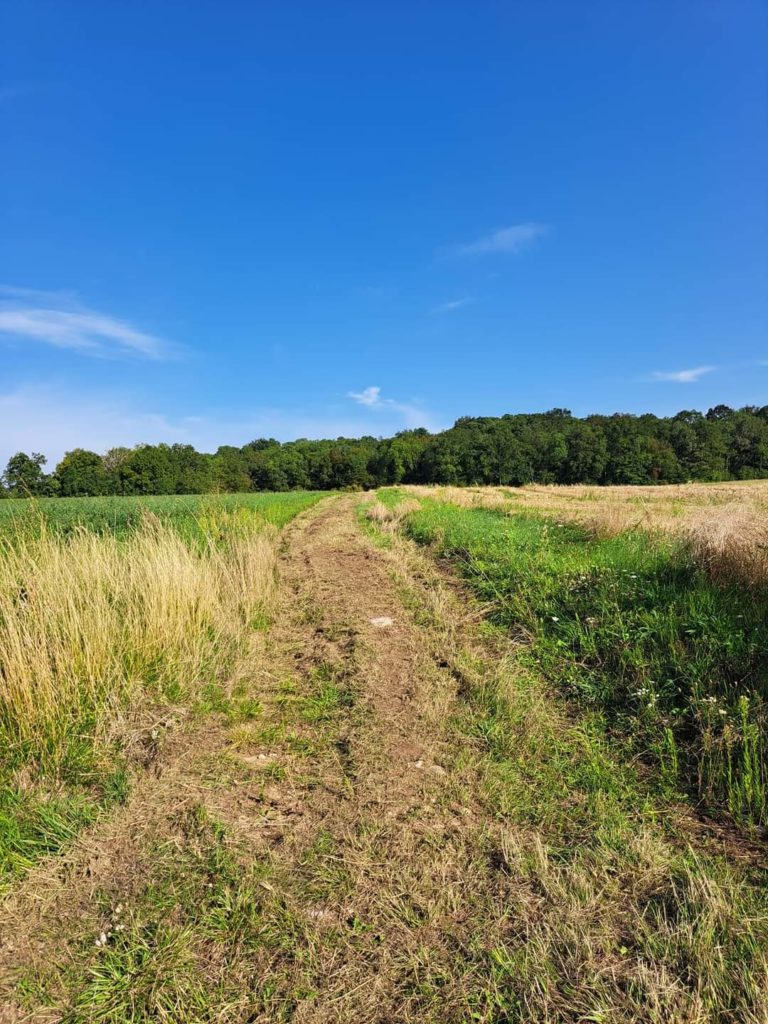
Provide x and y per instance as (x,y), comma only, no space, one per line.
(55,318)
(682,376)
(368,396)
(412,415)
(449,307)
(511,239)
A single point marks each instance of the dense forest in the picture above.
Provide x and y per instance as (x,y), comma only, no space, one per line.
(550,447)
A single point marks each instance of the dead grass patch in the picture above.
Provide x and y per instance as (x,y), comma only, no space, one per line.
(387,517)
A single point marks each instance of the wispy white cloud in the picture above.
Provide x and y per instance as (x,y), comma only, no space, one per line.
(411,414)
(368,396)
(58,319)
(506,240)
(449,307)
(683,376)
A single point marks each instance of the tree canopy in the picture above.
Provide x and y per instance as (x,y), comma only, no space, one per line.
(550,447)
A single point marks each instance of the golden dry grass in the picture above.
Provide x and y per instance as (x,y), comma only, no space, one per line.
(387,518)
(89,622)
(731,542)
(663,507)
(464,497)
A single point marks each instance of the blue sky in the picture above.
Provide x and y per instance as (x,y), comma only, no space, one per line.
(234,219)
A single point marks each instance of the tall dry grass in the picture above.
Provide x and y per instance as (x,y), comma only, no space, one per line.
(731,543)
(724,526)
(388,517)
(464,497)
(90,623)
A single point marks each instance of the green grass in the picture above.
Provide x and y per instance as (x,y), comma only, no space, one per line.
(542,883)
(208,934)
(671,665)
(186,511)
(32,826)
(328,697)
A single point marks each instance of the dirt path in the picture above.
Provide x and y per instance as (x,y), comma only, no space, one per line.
(373,862)
(414,848)
(331,567)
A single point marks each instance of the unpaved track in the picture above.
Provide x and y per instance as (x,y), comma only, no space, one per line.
(333,567)
(376,845)
(417,851)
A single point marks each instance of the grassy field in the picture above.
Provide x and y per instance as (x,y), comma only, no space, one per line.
(626,914)
(432,756)
(648,608)
(726,524)
(189,513)
(112,609)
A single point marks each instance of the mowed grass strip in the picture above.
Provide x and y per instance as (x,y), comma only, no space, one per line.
(191,945)
(211,923)
(98,630)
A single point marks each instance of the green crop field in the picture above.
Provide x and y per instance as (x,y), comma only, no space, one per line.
(119,514)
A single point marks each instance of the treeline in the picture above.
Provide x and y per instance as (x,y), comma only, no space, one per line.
(550,447)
